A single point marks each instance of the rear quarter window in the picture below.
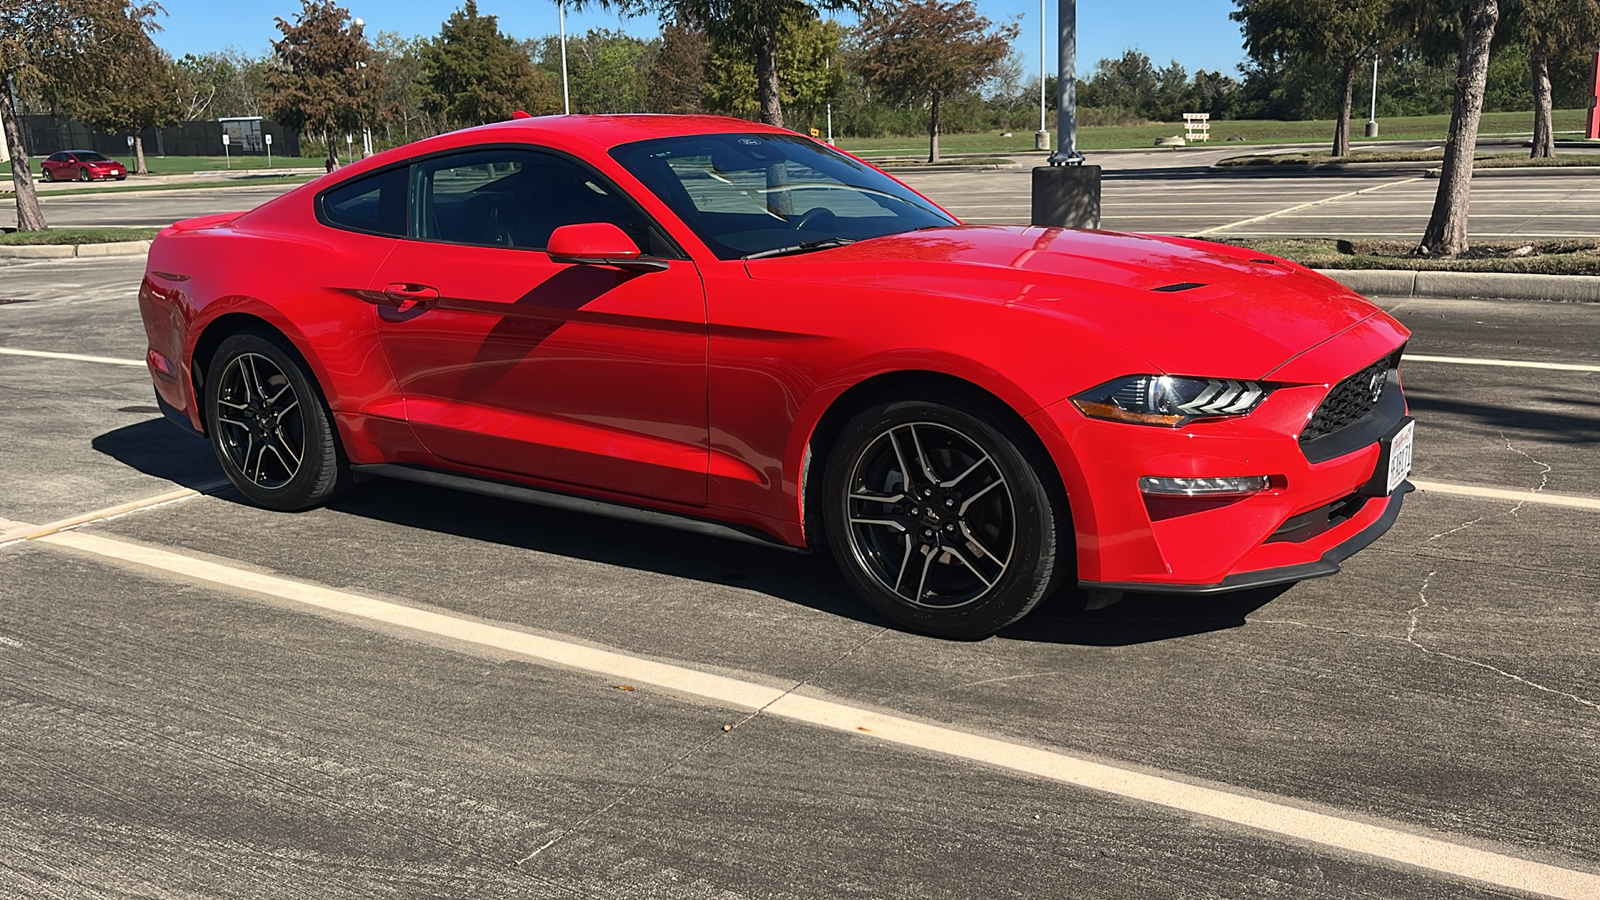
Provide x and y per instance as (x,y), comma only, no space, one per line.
(375,204)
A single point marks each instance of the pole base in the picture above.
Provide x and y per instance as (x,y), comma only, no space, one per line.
(1066,196)
(1041,140)
(1372,129)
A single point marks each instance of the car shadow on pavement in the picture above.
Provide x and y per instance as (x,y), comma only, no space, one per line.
(1560,428)
(155,447)
(158,447)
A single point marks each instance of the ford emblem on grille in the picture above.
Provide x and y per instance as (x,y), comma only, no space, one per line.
(1375,387)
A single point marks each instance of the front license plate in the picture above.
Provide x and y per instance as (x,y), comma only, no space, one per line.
(1400,456)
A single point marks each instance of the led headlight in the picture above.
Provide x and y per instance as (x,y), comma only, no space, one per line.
(1169,400)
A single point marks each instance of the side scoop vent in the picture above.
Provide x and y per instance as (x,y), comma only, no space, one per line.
(1180,286)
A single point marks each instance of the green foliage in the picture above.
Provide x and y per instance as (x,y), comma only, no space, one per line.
(677,78)
(219,84)
(316,86)
(806,50)
(134,87)
(607,71)
(472,74)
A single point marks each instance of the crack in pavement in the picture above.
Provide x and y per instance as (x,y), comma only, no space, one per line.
(1411,638)
(1544,481)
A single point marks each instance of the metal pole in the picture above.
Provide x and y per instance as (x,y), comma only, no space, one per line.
(561,17)
(1067,90)
(1042,26)
(1373,116)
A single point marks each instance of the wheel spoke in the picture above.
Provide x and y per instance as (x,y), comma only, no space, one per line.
(965,504)
(287,469)
(922,584)
(985,551)
(254,378)
(284,390)
(922,456)
(292,405)
(904,561)
(974,569)
(284,446)
(875,497)
(905,470)
(958,479)
(238,406)
(232,422)
(888,522)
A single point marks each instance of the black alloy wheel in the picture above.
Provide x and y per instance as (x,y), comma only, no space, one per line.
(940,519)
(269,426)
(46,175)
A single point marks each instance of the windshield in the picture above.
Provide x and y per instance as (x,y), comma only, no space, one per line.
(90,157)
(767,194)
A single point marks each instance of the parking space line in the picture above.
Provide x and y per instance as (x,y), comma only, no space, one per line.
(1482,492)
(21,531)
(1502,363)
(1286,211)
(74,357)
(1281,818)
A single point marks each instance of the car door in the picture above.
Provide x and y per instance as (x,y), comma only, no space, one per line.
(584,375)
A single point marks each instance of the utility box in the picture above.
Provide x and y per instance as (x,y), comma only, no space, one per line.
(1066,196)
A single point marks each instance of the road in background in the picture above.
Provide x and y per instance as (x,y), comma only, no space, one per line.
(167,736)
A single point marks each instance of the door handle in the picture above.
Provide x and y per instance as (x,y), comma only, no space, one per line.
(406,295)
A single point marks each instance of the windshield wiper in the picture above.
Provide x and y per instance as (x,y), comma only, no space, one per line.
(802,247)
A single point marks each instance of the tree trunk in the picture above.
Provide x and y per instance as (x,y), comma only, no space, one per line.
(1544,135)
(767,79)
(1341,130)
(933,130)
(139,167)
(29,216)
(1446,234)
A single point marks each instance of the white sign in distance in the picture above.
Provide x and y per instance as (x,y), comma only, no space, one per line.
(224,139)
(268,139)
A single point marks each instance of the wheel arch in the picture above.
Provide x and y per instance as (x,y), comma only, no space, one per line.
(906,384)
(225,326)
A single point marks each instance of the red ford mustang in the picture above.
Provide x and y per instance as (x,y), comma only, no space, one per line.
(726,327)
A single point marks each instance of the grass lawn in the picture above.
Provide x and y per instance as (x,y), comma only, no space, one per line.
(76,236)
(185,165)
(1548,257)
(1247,131)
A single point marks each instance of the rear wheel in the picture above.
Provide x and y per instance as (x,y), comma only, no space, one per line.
(269,427)
(940,518)
(46,174)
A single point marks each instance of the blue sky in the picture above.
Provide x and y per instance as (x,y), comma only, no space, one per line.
(1197,33)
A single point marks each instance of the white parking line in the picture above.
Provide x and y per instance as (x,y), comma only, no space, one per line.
(1572,501)
(1502,363)
(1282,818)
(1281,212)
(74,357)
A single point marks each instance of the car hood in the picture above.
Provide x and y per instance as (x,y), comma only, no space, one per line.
(1186,307)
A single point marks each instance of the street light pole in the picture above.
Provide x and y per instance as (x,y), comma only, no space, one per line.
(1067,90)
(1041,138)
(561,17)
(1372,117)
(361,65)
(1066,193)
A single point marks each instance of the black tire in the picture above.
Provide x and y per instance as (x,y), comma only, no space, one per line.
(83,175)
(991,486)
(46,175)
(269,425)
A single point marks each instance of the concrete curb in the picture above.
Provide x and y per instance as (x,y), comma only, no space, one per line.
(989,167)
(1469,285)
(68,251)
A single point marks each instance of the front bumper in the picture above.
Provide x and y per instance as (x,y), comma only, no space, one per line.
(1314,515)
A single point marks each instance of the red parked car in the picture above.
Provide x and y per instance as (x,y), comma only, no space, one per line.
(81,165)
(734,329)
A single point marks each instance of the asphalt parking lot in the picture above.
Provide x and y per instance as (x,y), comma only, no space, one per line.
(420,693)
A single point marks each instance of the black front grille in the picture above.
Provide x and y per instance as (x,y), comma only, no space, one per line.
(1351,399)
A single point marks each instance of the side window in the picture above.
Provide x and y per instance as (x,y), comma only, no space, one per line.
(516,199)
(375,204)
(57,157)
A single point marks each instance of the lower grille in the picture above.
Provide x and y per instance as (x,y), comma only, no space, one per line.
(1351,399)
(1308,525)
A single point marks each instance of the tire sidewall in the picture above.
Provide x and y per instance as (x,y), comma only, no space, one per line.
(1029,575)
(309,486)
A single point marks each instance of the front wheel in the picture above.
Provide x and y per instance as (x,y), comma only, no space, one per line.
(83,175)
(269,427)
(943,517)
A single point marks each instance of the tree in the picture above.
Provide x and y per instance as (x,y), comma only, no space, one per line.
(1550,29)
(608,71)
(755,26)
(136,87)
(220,83)
(925,50)
(472,74)
(806,48)
(1334,34)
(1446,234)
(43,44)
(677,77)
(317,86)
